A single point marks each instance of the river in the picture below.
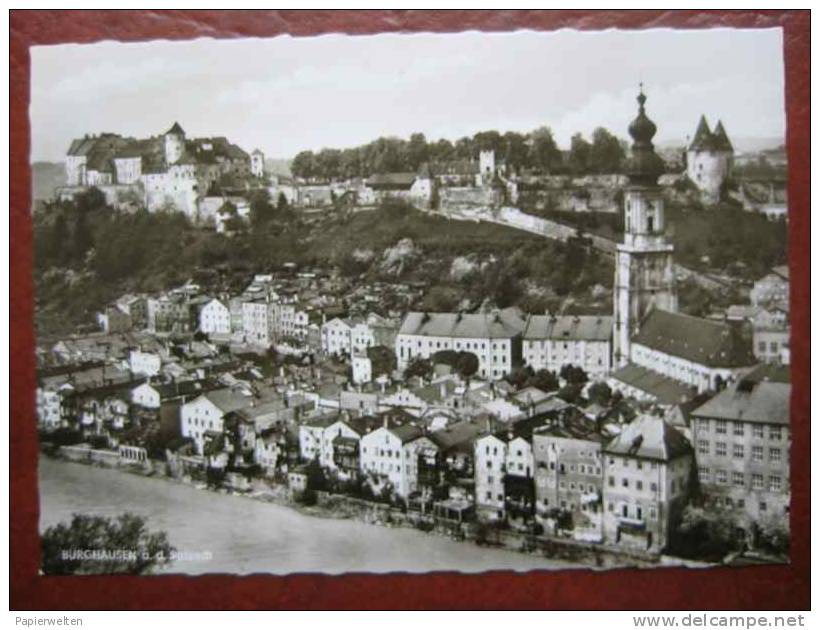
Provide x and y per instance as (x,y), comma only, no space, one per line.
(242,535)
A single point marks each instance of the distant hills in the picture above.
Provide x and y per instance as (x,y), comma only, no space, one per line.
(741,144)
(46,177)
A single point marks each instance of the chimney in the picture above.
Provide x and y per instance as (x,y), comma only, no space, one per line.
(384,424)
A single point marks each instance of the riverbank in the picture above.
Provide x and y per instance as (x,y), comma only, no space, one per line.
(224,533)
(339,508)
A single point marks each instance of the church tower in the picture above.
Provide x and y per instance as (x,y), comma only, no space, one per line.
(644,268)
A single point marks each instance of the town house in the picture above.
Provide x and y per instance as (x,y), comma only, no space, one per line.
(647,482)
(551,342)
(742,441)
(494,338)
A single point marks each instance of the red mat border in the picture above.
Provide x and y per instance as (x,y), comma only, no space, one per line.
(724,588)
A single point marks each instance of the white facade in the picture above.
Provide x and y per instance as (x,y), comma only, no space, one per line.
(362,369)
(495,356)
(145,396)
(383,455)
(215,318)
(336,337)
(144,363)
(490,460)
(552,354)
(198,416)
(258,323)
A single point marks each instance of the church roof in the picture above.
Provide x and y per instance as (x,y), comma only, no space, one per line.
(702,341)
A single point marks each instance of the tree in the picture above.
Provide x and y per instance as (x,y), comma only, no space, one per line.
(573,374)
(466,364)
(100,545)
(705,534)
(262,211)
(544,153)
(606,154)
(544,380)
(382,360)
(579,154)
(419,367)
(304,165)
(773,535)
(600,393)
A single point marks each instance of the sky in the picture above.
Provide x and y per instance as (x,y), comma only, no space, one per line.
(284,95)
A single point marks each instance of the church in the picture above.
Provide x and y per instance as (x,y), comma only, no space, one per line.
(652,341)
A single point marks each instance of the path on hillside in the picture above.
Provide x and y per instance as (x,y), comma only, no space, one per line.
(515,218)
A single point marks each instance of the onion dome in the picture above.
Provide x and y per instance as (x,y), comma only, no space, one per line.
(644,166)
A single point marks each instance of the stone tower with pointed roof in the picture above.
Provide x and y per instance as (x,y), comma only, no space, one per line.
(709,160)
(174,144)
(644,266)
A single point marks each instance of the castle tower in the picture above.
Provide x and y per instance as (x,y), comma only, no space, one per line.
(644,268)
(257,163)
(486,164)
(709,160)
(174,144)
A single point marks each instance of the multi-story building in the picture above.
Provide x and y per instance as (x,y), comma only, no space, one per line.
(203,418)
(742,440)
(569,466)
(258,322)
(551,342)
(336,336)
(215,318)
(647,482)
(505,470)
(385,456)
(494,338)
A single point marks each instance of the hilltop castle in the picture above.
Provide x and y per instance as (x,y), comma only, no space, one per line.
(163,171)
(709,159)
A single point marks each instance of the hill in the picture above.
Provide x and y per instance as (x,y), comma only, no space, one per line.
(87,254)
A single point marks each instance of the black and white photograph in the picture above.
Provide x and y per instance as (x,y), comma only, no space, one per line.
(412,302)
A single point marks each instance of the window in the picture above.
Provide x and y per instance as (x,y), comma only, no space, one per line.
(703,447)
(757,482)
(757,431)
(612,482)
(757,453)
(720,426)
(720,449)
(737,451)
(738,479)
(774,433)
(738,428)
(704,474)
(774,454)
(721,477)
(625,482)
(653,487)
(775,483)
(639,485)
